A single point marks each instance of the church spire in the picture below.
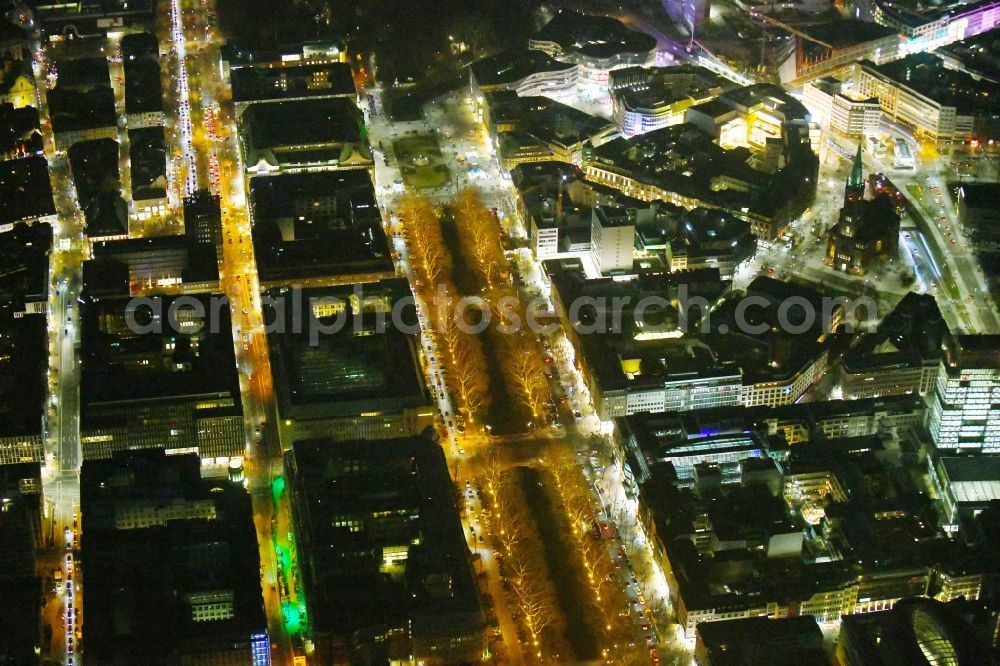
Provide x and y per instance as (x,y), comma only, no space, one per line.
(857,177)
(855,189)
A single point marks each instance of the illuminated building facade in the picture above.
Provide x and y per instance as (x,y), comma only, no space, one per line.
(930,29)
(965,407)
(153,385)
(826,47)
(529,73)
(760,117)
(943,106)
(839,111)
(612,234)
(644,99)
(17,86)
(597,44)
(786,390)
(689,14)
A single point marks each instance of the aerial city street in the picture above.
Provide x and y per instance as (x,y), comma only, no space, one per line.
(528,332)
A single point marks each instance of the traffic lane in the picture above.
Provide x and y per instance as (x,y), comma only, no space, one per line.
(962,269)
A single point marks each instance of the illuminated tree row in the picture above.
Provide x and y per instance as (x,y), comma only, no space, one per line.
(520,544)
(522,364)
(461,354)
(607,596)
(479,238)
(422,230)
(465,364)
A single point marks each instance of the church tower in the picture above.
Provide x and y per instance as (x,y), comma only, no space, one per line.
(867,229)
(854,195)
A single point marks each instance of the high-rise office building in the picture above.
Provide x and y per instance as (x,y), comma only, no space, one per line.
(203,219)
(612,238)
(965,407)
(688,14)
